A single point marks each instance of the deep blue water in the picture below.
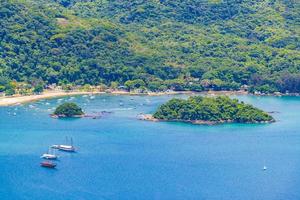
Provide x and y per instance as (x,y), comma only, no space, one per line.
(120,157)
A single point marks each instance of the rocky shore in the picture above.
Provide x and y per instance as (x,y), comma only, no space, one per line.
(92,116)
(149,117)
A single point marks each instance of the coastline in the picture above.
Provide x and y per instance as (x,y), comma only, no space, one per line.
(19,99)
(149,117)
(49,94)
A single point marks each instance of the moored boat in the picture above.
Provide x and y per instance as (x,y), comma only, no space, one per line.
(55,146)
(49,155)
(48,164)
(64,147)
(68,148)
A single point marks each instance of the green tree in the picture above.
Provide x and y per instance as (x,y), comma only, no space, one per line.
(39,88)
(114,85)
(68,110)
(134,84)
(220,109)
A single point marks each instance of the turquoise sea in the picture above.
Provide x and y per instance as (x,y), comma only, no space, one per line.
(120,157)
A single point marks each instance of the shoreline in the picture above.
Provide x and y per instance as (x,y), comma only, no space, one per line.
(149,117)
(50,94)
(19,99)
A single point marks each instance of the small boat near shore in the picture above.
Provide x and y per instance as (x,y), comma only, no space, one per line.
(48,164)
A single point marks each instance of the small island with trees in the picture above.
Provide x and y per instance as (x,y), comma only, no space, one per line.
(209,110)
(68,110)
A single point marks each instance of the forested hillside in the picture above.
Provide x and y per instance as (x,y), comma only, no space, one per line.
(210,109)
(153,44)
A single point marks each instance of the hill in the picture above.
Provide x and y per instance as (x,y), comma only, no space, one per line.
(208,110)
(160,44)
(68,110)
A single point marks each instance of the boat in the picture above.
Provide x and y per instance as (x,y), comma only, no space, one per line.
(55,146)
(48,164)
(64,147)
(49,156)
(264,167)
(68,148)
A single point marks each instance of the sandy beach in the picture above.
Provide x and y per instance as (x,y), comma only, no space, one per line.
(18,99)
(14,100)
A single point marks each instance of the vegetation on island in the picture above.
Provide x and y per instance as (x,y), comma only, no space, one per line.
(152,45)
(210,110)
(68,110)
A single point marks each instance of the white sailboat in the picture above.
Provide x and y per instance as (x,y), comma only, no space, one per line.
(264,167)
(65,147)
(50,155)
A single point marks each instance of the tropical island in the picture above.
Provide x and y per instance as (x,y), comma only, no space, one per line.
(209,110)
(67,110)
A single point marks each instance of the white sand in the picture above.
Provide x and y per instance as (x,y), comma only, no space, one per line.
(18,99)
(8,101)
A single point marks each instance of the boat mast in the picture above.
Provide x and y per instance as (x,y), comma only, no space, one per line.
(66,139)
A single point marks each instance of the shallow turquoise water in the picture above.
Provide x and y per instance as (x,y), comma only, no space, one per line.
(120,157)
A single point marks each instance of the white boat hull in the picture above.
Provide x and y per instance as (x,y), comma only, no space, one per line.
(64,148)
(49,156)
